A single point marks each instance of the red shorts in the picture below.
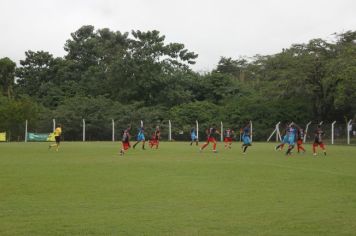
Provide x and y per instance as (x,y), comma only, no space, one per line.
(226,140)
(211,139)
(321,144)
(153,142)
(126,145)
(300,142)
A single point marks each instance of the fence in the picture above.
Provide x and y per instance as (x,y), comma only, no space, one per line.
(335,132)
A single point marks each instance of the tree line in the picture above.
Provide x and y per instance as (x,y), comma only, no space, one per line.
(135,76)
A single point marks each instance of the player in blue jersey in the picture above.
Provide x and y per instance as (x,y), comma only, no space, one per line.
(193,136)
(284,140)
(246,132)
(292,134)
(140,138)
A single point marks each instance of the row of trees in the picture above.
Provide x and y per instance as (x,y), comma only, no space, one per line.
(138,76)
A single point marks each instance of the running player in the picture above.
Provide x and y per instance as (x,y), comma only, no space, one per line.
(228,138)
(140,138)
(318,140)
(57,136)
(284,140)
(155,138)
(292,133)
(125,141)
(211,132)
(246,137)
(300,137)
(193,137)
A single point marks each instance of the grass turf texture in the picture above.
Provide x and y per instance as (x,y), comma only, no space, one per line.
(88,189)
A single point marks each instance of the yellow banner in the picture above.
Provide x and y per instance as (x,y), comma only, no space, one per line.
(3,137)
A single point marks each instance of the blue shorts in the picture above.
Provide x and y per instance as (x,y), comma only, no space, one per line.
(285,139)
(194,137)
(291,140)
(246,139)
(141,137)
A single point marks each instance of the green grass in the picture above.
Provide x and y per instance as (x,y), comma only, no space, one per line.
(87,189)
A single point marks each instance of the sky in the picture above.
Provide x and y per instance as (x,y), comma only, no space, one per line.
(210,28)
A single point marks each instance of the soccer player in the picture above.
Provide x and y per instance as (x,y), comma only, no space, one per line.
(57,136)
(318,140)
(125,141)
(300,135)
(140,138)
(246,138)
(211,132)
(284,140)
(228,138)
(155,138)
(292,133)
(193,137)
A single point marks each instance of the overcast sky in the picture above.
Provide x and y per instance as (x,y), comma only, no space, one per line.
(210,28)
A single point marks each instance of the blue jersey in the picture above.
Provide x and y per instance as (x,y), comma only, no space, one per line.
(193,134)
(292,132)
(141,134)
(246,136)
(246,132)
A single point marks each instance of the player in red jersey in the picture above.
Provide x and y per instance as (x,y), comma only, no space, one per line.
(211,132)
(125,141)
(228,133)
(318,134)
(155,138)
(300,137)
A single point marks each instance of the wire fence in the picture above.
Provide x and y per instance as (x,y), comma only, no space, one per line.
(335,132)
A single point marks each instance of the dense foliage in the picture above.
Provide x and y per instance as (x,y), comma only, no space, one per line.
(128,77)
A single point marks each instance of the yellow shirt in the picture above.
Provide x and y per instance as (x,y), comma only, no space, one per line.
(58,131)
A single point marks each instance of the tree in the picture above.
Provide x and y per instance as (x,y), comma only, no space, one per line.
(38,68)
(7,76)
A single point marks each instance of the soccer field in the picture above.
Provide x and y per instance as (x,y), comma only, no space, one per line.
(88,189)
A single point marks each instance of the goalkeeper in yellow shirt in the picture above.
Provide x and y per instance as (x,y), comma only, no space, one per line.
(57,136)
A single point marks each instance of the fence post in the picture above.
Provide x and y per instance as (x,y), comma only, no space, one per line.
(197,129)
(83,130)
(26,123)
(348,131)
(278,133)
(251,135)
(54,125)
(221,131)
(332,132)
(169,130)
(276,130)
(306,131)
(141,123)
(113,130)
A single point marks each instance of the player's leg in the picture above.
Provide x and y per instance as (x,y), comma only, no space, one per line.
(290,148)
(214,145)
(134,146)
(205,144)
(323,148)
(314,148)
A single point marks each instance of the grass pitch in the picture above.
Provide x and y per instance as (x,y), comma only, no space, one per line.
(88,189)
